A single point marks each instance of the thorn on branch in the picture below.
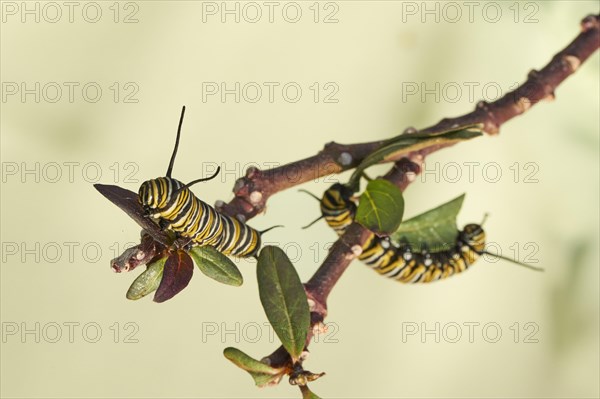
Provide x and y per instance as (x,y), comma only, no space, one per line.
(572,62)
(345,159)
(318,309)
(590,22)
(240,184)
(255,197)
(356,251)
(252,172)
(522,105)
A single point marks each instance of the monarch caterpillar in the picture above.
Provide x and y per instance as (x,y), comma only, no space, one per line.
(174,207)
(399,261)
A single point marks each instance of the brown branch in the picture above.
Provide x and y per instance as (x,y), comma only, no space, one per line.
(538,86)
(253,190)
(349,246)
(342,253)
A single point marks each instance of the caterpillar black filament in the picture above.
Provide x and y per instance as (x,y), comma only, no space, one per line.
(172,204)
(399,261)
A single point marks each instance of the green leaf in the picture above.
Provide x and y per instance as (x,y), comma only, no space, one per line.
(436,227)
(405,143)
(148,281)
(381,207)
(216,265)
(307,393)
(283,298)
(262,373)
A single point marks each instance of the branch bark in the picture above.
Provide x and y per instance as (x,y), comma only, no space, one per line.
(335,158)
(254,189)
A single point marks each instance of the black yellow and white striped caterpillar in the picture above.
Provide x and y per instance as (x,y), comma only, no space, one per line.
(176,208)
(399,261)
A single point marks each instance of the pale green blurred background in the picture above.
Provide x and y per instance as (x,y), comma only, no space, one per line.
(370,55)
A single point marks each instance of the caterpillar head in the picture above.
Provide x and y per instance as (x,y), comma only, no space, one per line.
(156,193)
(344,191)
(338,196)
(474,236)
